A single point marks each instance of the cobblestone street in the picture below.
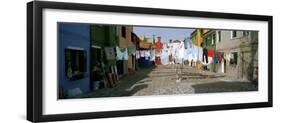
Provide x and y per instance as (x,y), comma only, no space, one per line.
(162,80)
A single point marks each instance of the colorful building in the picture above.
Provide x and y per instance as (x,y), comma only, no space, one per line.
(103,37)
(240,49)
(124,34)
(197,39)
(196,36)
(209,45)
(84,62)
(73,59)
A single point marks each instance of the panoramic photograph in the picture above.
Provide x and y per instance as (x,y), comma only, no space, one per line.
(101,60)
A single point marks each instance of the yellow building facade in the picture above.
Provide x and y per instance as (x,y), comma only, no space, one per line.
(197,36)
(197,39)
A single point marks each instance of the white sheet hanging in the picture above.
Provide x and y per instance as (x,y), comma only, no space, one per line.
(179,54)
(137,54)
(152,55)
(165,56)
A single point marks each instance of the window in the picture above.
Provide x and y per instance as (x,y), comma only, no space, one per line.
(123,31)
(208,41)
(234,58)
(219,36)
(245,33)
(75,63)
(205,42)
(233,34)
(213,39)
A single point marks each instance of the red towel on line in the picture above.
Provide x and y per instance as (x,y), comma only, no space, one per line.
(211,53)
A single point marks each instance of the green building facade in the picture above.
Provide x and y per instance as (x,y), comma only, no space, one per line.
(209,42)
(102,36)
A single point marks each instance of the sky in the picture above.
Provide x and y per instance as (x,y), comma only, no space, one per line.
(165,33)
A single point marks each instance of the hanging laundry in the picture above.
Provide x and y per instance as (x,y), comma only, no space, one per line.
(210,60)
(200,53)
(227,56)
(205,55)
(157,53)
(180,53)
(142,53)
(219,56)
(186,53)
(197,53)
(152,55)
(175,45)
(146,54)
(170,45)
(223,66)
(181,50)
(157,60)
(215,58)
(122,53)
(187,42)
(137,54)
(158,46)
(171,59)
(222,55)
(165,56)
(210,53)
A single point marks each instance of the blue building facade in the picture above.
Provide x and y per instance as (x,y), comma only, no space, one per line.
(73,59)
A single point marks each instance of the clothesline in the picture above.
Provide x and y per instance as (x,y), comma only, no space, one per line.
(175,51)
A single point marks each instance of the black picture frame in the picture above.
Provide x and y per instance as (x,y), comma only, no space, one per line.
(34,60)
